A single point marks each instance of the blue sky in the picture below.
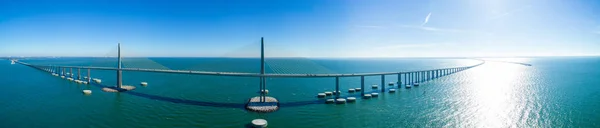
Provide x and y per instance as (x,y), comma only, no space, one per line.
(301,28)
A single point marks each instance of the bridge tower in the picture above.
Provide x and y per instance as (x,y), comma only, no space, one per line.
(263,84)
(119,72)
(262,103)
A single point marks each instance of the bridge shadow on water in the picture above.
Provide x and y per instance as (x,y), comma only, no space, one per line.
(206,103)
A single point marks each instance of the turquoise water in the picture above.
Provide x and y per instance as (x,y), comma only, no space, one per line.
(554,92)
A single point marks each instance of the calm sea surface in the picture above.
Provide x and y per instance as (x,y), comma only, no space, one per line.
(554,92)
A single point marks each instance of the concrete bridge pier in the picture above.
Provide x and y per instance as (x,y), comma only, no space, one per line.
(419,77)
(362,85)
(337,88)
(429,75)
(422,77)
(426,75)
(399,80)
(412,78)
(445,72)
(89,77)
(416,78)
(78,73)
(71,72)
(383,83)
(406,78)
(409,78)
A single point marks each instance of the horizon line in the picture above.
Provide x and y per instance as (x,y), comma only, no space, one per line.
(305,57)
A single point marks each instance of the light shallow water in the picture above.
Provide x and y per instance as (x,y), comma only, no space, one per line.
(554,92)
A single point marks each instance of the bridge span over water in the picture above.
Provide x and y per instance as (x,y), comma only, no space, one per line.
(263,103)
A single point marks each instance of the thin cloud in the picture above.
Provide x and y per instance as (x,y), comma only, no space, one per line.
(432,29)
(510,12)
(444,30)
(426,19)
(403,46)
(369,26)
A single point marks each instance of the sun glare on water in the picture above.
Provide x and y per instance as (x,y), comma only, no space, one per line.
(495,95)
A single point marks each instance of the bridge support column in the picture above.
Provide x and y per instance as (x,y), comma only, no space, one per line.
(419,77)
(265,88)
(422,77)
(260,89)
(412,78)
(409,78)
(428,77)
(71,72)
(399,80)
(89,77)
(382,83)
(362,86)
(337,87)
(405,78)
(432,75)
(79,73)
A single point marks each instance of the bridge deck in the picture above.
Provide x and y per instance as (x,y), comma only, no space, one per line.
(240,73)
